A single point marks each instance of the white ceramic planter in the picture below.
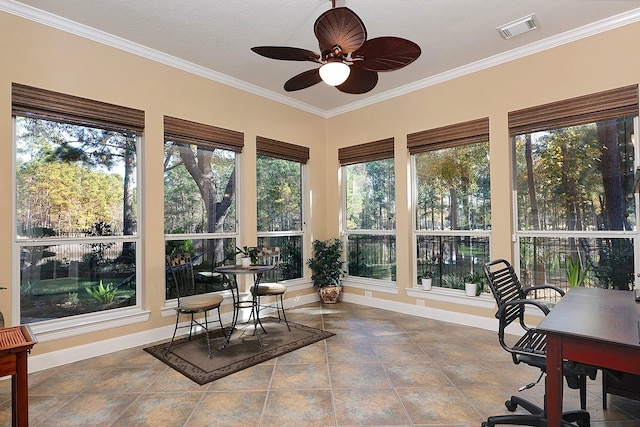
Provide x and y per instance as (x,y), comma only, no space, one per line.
(246,261)
(470,289)
(426,284)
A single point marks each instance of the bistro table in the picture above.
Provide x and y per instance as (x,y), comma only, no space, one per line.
(232,272)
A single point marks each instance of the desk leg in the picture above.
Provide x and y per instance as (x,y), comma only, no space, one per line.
(20,392)
(554,380)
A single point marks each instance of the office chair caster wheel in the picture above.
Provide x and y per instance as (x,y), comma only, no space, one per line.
(485,424)
(511,406)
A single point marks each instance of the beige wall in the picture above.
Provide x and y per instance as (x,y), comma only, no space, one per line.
(39,56)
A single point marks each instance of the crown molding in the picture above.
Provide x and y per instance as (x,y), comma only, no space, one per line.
(102,37)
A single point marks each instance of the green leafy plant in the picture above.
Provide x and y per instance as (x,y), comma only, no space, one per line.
(248,252)
(326,264)
(478,279)
(453,281)
(428,267)
(426,274)
(103,294)
(575,272)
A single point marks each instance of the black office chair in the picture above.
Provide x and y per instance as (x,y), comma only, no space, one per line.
(530,348)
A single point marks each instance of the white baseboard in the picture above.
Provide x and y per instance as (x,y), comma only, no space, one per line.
(464,319)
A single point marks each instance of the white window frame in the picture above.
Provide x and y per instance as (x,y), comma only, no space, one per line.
(72,326)
(302,233)
(168,309)
(635,235)
(438,293)
(379,285)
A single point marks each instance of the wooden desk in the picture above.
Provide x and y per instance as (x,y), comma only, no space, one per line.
(15,343)
(593,326)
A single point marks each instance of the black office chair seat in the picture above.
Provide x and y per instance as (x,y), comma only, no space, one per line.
(531,350)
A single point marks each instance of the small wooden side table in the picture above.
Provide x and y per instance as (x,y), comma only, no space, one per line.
(15,343)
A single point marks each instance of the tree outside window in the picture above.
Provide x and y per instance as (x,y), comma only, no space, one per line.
(453,212)
(576,204)
(200,212)
(370,219)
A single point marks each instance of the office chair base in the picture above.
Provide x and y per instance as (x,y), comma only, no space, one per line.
(536,416)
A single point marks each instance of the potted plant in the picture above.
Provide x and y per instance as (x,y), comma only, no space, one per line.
(249,255)
(425,279)
(473,284)
(326,267)
(575,273)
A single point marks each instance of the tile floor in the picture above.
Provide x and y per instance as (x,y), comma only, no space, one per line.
(382,368)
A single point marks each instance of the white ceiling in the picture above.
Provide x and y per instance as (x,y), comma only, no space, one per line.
(213,38)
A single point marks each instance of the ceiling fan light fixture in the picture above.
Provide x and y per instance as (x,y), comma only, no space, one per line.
(334,73)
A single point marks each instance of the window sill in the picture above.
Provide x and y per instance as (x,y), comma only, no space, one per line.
(50,330)
(383,286)
(453,296)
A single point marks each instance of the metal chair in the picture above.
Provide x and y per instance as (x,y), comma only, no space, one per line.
(270,256)
(530,348)
(189,302)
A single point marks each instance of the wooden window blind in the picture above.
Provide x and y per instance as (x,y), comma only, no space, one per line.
(610,104)
(367,152)
(188,132)
(281,150)
(471,132)
(27,101)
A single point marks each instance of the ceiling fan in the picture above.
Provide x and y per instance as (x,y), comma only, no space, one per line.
(348,60)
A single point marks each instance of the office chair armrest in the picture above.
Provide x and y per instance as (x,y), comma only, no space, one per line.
(501,314)
(542,287)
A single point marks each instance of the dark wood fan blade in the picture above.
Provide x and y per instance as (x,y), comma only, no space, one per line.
(303,80)
(359,81)
(286,53)
(385,54)
(340,26)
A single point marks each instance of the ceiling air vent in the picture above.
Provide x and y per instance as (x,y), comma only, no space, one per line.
(517,27)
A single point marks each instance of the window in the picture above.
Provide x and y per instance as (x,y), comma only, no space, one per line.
(76,204)
(574,180)
(200,197)
(280,202)
(369,226)
(451,201)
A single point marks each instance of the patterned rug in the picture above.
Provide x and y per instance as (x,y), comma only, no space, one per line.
(191,358)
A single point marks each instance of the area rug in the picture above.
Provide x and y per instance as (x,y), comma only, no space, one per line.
(191,358)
